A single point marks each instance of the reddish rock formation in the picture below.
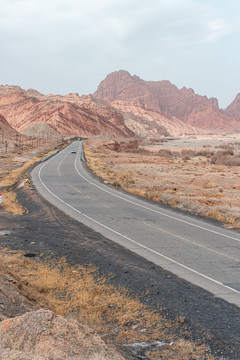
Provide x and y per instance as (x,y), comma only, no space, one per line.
(123,106)
(69,115)
(146,122)
(234,108)
(35,114)
(6,131)
(183,103)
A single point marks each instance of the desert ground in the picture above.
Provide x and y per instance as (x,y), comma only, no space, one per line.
(200,175)
(41,262)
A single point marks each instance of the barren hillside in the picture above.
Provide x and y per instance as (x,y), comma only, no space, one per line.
(183,103)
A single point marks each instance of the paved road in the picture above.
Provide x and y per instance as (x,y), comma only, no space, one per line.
(198,251)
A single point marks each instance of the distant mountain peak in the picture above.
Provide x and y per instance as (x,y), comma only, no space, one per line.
(164,96)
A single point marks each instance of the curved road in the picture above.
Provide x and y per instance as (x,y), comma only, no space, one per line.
(200,252)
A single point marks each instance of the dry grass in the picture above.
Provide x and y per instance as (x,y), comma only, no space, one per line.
(12,175)
(201,181)
(9,197)
(11,204)
(79,292)
(179,351)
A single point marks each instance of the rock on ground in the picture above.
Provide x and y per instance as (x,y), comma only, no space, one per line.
(43,335)
(12,303)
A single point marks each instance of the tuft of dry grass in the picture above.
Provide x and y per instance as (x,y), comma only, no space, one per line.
(10,202)
(9,197)
(80,292)
(11,177)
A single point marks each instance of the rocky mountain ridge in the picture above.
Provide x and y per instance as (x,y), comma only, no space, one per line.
(143,120)
(35,114)
(164,96)
(234,108)
(122,106)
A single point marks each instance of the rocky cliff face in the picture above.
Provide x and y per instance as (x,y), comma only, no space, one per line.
(122,106)
(183,103)
(146,122)
(71,115)
(35,114)
(233,109)
(6,131)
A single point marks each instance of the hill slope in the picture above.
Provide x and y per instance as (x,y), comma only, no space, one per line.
(69,115)
(183,103)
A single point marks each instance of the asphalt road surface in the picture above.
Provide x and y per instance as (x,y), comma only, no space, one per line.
(196,250)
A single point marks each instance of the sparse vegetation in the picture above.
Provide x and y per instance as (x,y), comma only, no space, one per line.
(80,292)
(14,172)
(194,180)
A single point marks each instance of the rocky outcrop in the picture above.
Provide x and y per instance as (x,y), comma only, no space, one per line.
(12,302)
(122,106)
(41,335)
(6,131)
(47,116)
(146,122)
(69,115)
(234,108)
(165,97)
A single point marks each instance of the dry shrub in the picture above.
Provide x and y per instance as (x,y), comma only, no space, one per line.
(140,150)
(168,154)
(226,158)
(216,215)
(205,153)
(10,203)
(80,292)
(187,154)
(227,147)
(13,176)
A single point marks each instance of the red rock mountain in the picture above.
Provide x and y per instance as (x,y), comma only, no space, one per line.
(122,106)
(146,122)
(34,114)
(234,108)
(6,131)
(165,97)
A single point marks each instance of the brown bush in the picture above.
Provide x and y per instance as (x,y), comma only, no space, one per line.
(205,153)
(226,158)
(140,150)
(225,147)
(167,153)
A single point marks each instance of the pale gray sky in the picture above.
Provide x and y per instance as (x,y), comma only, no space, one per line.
(62,46)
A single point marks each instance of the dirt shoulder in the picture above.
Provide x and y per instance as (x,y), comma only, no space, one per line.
(44,232)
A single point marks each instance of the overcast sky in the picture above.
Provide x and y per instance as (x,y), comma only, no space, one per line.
(62,46)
